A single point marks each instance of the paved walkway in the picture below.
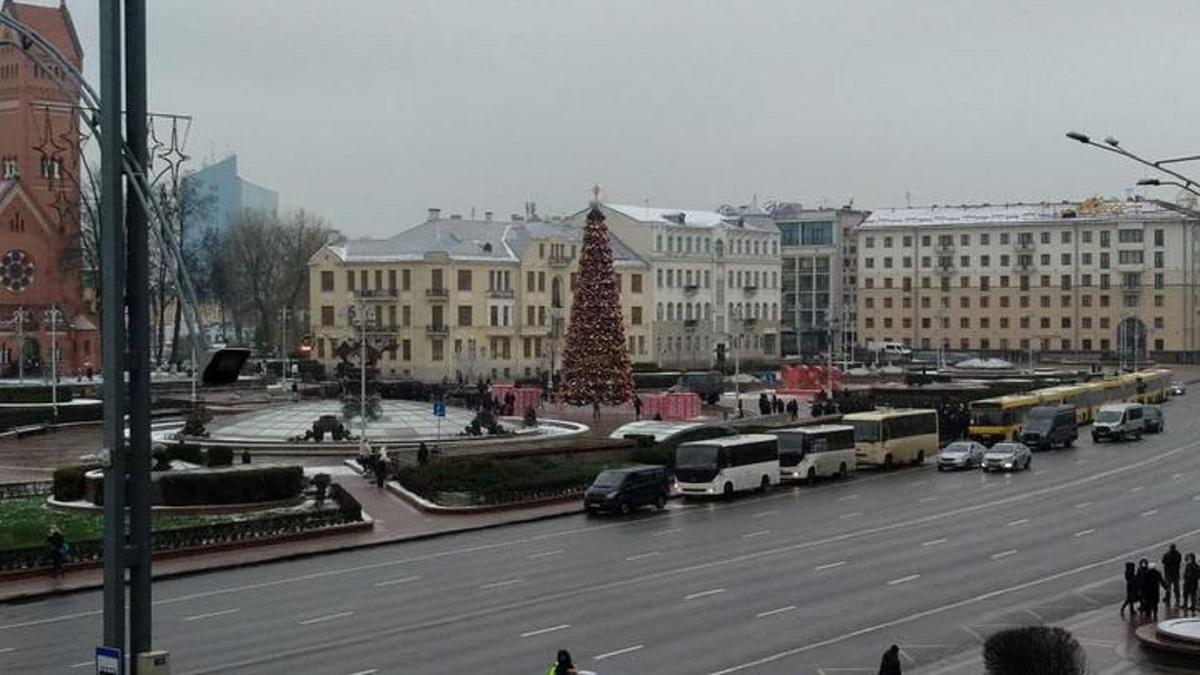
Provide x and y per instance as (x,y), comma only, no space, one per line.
(394,520)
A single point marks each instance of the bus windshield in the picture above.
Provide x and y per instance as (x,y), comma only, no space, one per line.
(991,417)
(865,430)
(792,444)
(696,455)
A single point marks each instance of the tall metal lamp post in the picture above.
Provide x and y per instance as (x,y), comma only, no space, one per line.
(53,315)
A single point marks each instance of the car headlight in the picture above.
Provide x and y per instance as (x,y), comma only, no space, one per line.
(1008,465)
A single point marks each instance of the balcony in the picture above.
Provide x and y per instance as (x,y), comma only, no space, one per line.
(376,328)
(1024,267)
(377,294)
(691,323)
(501,293)
(944,249)
(750,290)
(437,329)
(944,270)
(1024,247)
(749,323)
(559,261)
(691,289)
(441,294)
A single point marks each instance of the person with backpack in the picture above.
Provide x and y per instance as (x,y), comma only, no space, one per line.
(563,665)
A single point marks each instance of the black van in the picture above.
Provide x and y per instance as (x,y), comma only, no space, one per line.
(1047,426)
(625,489)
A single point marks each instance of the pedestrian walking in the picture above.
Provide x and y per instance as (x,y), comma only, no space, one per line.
(1191,581)
(1151,583)
(422,454)
(563,665)
(1132,592)
(380,470)
(890,663)
(637,407)
(57,545)
(1171,561)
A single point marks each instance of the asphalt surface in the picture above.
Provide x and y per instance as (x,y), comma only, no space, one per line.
(812,579)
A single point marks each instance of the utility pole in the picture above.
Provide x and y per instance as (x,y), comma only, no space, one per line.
(283,350)
(52,314)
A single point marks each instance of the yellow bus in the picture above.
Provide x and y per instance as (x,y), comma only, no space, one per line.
(997,419)
(887,437)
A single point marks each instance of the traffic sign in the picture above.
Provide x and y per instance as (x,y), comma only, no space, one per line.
(109,661)
(439,408)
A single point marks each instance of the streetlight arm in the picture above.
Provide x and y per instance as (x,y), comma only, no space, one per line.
(1111,145)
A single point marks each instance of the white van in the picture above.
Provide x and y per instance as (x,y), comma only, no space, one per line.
(807,453)
(1119,421)
(890,350)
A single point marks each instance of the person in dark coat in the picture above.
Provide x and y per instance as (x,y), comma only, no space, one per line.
(764,404)
(1132,592)
(1191,581)
(637,407)
(1171,561)
(890,663)
(57,543)
(793,409)
(1151,584)
(563,665)
(422,454)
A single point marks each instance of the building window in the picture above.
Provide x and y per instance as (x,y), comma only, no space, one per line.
(1129,236)
(350,280)
(406,315)
(1085,300)
(1105,238)
(1086,237)
(1130,257)
(326,315)
(635,317)
(1158,259)
(405,280)
(1004,238)
(1159,281)
(1158,301)
(465,315)
(635,283)
(1004,301)
(1158,237)
(1065,282)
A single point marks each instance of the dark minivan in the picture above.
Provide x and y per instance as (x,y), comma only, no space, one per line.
(625,489)
(1047,426)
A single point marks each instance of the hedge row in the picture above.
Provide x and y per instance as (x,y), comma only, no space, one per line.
(495,477)
(33,394)
(245,486)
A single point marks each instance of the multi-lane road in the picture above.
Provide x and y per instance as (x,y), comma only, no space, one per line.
(802,580)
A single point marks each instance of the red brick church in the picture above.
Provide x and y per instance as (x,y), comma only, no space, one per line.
(41,265)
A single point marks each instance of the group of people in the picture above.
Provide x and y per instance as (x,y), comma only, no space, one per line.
(1146,585)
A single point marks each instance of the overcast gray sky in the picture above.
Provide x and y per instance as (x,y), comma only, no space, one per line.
(372,110)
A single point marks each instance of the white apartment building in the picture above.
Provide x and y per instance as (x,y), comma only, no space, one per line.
(1097,276)
(716,280)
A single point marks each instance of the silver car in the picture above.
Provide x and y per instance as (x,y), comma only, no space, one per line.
(1007,457)
(961,455)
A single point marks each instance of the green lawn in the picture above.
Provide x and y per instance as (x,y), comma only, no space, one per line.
(25,522)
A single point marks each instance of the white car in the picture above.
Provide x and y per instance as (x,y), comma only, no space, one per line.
(1007,457)
(1178,389)
(961,455)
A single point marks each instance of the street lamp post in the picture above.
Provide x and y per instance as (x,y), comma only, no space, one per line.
(283,350)
(1114,146)
(52,315)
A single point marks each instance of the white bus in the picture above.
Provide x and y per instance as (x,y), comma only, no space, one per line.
(722,466)
(891,436)
(817,451)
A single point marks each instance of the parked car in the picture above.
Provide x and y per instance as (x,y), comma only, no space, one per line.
(1153,422)
(1007,457)
(628,488)
(961,455)
(1118,421)
(1047,426)
(1178,389)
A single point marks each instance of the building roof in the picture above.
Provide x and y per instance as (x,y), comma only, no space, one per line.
(757,220)
(1092,210)
(52,23)
(470,240)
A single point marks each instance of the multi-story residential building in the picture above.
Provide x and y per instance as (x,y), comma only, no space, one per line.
(819,264)
(1091,276)
(715,278)
(465,298)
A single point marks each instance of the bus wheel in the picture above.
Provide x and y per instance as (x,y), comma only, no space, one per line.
(887,461)
(920,457)
(842,470)
(729,490)
(765,484)
(812,474)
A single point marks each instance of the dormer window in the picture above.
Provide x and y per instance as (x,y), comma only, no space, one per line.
(9,166)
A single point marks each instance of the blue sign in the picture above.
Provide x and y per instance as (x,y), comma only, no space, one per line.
(439,408)
(109,661)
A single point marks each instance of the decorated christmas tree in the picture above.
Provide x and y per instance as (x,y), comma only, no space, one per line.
(595,361)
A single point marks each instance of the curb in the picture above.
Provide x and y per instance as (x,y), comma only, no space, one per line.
(427,506)
(36,595)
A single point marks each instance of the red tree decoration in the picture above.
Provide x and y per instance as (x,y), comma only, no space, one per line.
(595,361)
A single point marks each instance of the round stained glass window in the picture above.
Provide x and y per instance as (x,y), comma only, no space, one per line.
(16,270)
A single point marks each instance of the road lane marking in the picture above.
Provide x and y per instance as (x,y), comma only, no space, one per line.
(1039,472)
(755,534)
(848,516)
(1151,512)
(925,500)
(546,554)
(1084,533)
(764,514)
(904,580)
(829,566)
(1004,554)
(6,650)
(1176,476)
(618,652)
(1137,488)
(933,542)
(210,615)
(52,619)
(973,633)
(1022,521)
(542,631)
(392,582)
(1083,505)
(773,612)
(498,584)
(327,617)
(919,483)
(847,498)
(643,556)
(81,664)
(665,532)
(1037,617)
(1074,570)
(703,594)
(372,671)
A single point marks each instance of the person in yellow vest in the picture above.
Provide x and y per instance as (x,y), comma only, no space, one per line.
(563,665)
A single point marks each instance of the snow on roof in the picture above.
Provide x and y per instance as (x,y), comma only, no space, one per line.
(654,214)
(1089,210)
